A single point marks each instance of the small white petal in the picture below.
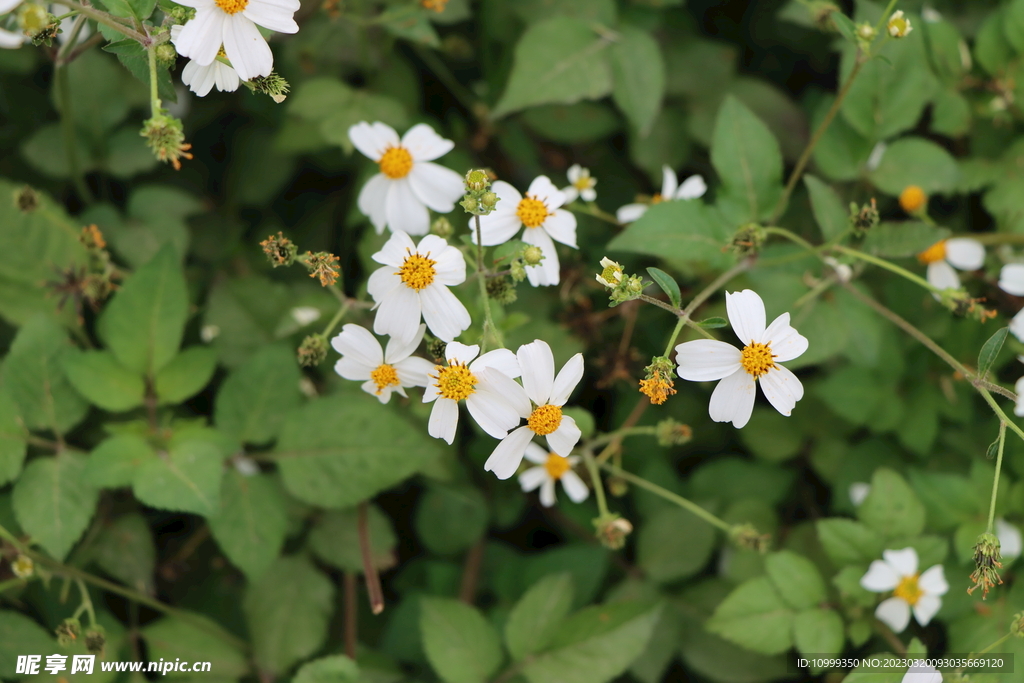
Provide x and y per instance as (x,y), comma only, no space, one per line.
(444,419)
(859,490)
(703,360)
(881,577)
(693,187)
(1018,388)
(547,493)
(566,380)
(922,674)
(1011,279)
(356,342)
(1017,325)
(965,253)
(497,227)
(894,613)
(202,36)
(561,227)
(589,194)
(543,189)
(538,367)
(275,15)
(414,372)
(904,561)
(1009,540)
(630,212)
(574,487)
(536,454)
(502,360)
(404,210)
(786,342)
(942,276)
(444,314)
(506,387)
(506,456)
(933,581)
(398,350)
(573,174)
(246,48)
(571,194)
(424,144)
(372,201)
(533,478)
(463,353)
(9,40)
(733,399)
(373,139)
(492,412)
(436,186)
(782,389)
(926,608)
(669,182)
(746,314)
(398,314)
(395,250)
(565,438)
(350,368)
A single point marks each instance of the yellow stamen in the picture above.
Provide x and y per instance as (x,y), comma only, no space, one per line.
(384,376)
(232,6)
(757,359)
(545,419)
(417,272)
(532,212)
(658,389)
(909,590)
(396,162)
(455,381)
(557,466)
(582,183)
(934,253)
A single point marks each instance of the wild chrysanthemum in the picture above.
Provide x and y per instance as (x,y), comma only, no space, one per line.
(961,253)
(911,591)
(382,371)
(581,185)
(693,187)
(551,468)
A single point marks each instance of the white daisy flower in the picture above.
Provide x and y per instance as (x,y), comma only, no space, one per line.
(484,383)
(920,672)
(1017,325)
(409,182)
(1011,279)
(581,185)
(381,371)
(859,490)
(232,24)
(552,467)
(10,39)
(540,214)
(693,187)
(961,253)
(544,418)
(705,360)
(418,287)
(201,79)
(1010,542)
(911,591)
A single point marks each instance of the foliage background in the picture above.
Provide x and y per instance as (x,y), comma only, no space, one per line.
(646,84)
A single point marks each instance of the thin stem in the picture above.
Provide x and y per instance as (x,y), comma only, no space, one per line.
(886,632)
(592,209)
(485,300)
(675,333)
(76,29)
(12,583)
(373,588)
(445,75)
(342,312)
(620,434)
(108,20)
(351,613)
(87,602)
(154,95)
(995,479)
(471,572)
(891,267)
(595,478)
(668,495)
(992,646)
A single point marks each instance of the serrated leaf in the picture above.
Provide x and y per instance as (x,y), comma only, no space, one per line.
(185,478)
(251,522)
(12,438)
(754,616)
(687,231)
(460,643)
(892,508)
(173,638)
(796,579)
(748,160)
(667,284)
(113,462)
(832,217)
(638,73)
(20,636)
(896,240)
(817,631)
(332,669)
(673,545)
(449,519)
(848,542)
(254,399)
(990,351)
(916,161)
(125,550)
(53,503)
(534,619)
(186,374)
(713,323)
(98,376)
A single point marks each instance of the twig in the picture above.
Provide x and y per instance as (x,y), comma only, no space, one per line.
(373,588)
(351,613)
(471,572)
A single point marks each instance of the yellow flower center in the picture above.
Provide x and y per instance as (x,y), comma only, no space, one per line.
(934,253)
(557,465)
(532,212)
(455,381)
(909,590)
(396,162)
(417,272)
(912,199)
(657,198)
(582,183)
(384,376)
(222,53)
(545,419)
(757,359)
(232,6)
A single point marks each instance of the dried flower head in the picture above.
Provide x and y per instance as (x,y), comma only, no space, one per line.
(166,137)
(91,238)
(612,530)
(280,250)
(987,564)
(26,199)
(312,351)
(747,536)
(863,218)
(324,266)
(658,385)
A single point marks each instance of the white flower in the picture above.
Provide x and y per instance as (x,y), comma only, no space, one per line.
(209,332)
(580,185)
(419,286)
(545,418)
(484,383)
(232,24)
(381,371)
(552,467)
(1011,279)
(611,273)
(201,79)
(693,187)
(409,182)
(540,213)
(858,492)
(10,39)
(1010,544)
(305,315)
(705,360)
(942,257)
(911,591)
(920,672)
(1017,325)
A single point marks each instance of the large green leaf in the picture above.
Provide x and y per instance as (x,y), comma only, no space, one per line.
(174,638)
(755,617)
(817,631)
(252,402)
(460,643)
(98,376)
(186,477)
(335,539)
(12,438)
(54,503)
(796,579)
(186,374)
(557,61)
(638,73)
(916,161)
(113,462)
(450,519)
(832,217)
(19,636)
(892,508)
(673,544)
(251,522)
(533,621)
(332,669)
(125,550)
(747,158)
(848,542)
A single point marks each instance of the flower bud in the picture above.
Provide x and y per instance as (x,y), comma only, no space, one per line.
(23,567)
(312,351)
(899,25)
(669,432)
(612,530)
(1017,625)
(617,486)
(533,255)
(470,204)
(477,180)
(68,631)
(747,536)
(95,640)
(442,227)
(502,290)
(866,32)
(26,199)
(33,19)
(488,200)
(611,276)
(280,250)
(748,239)
(986,563)
(517,270)
(166,54)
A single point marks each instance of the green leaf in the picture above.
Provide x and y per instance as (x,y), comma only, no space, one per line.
(990,351)
(747,158)
(106,383)
(332,669)
(54,503)
(185,478)
(892,508)
(334,467)
(673,545)
(33,374)
(144,322)
(818,631)
(557,61)
(832,217)
(796,579)
(572,123)
(334,539)
(755,617)
(848,542)
(596,645)
(845,26)
(991,47)
(916,161)
(638,73)
(186,374)
(450,519)
(253,400)
(125,550)
(415,27)
(460,643)
(895,240)
(173,638)
(20,635)
(135,59)
(714,323)
(667,284)
(534,620)
(288,610)
(112,464)
(252,521)
(12,438)
(687,231)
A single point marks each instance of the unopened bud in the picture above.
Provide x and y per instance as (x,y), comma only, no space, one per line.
(477,180)
(899,25)
(747,536)
(533,255)
(517,270)
(442,227)
(312,351)
(866,32)
(68,631)
(26,199)
(23,567)
(166,54)
(470,204)
(748,239)
(617,486)
(670,432)
(987,558)
(612,530)
(488,200)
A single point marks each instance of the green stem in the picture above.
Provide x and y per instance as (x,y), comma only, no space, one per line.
(668,495)
(621,433)
(71,40)
(11,583)
(592,209)
(337,316)
(595,478)
(795,238)
(891,267)
(489,326)
(675,333)
(995,480)
(154,95)
(885,18)
(992,646)
(87,602)
(108,20)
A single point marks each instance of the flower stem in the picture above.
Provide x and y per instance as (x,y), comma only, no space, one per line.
(891,267)
(592,209)
(342,311)
(995,479)
(154,96)
(107,20)
(489,327)
(595,478)
(668,495)
(675,333)
(87,602)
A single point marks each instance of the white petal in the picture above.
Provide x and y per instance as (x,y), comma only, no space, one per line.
(247,48)
(733,399)
(197,78)
(404,209)
(9,40)
(444,314)
(356,342)
(630,212)
(492,412)
(273,14)
(561,227)
(703,360)
(444,419)
(373,139)
(538,366)
(533,478)
(463,353)
(571,194)
(589,194)
(398,314)
(424,144)
(370,387)
(859,490)
(398,350)
(496,228)
(1011,279)
(197,4)
(785,341)
(782,389)
(693,187)
(1009,539)
(926,607)
(548,272)
(574,487)
(372,201)
(450,269)
(1018,388)
(903,562)
(565,438)
(502,360)
(922,674)
(566,380)
(536,454)
(350,368)
(543,189)
(395,250)
(436,186)
(965,253)
(894,613)
(506,456)
(547,493)
(573,174)
(201,37)
(7,5)
(225,77)
(430,392)
(746,314)
(880,577)
(506,387)
(669,182)
(941,275)
(1017,325)
(382,282)
(933,581)
(414,372)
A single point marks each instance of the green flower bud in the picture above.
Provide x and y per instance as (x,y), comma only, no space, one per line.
(532,255)
(477,180)
(313,350)
(442,227)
